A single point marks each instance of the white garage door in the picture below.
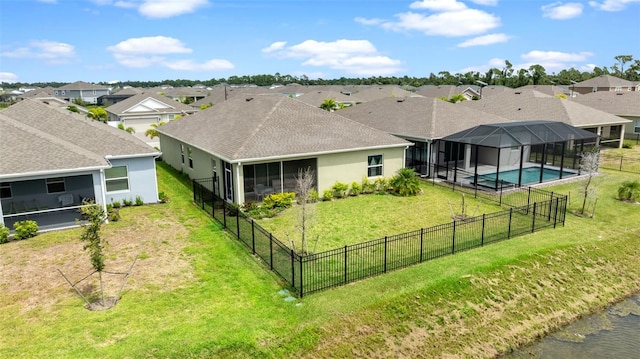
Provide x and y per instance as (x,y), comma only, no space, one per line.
(140,124)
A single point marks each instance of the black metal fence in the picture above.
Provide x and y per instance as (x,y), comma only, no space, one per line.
(317,271)
(619,162)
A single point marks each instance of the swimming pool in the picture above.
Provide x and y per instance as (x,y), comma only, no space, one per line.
(529,175)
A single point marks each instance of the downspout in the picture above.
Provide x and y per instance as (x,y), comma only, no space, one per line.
(103,187)
(237,187)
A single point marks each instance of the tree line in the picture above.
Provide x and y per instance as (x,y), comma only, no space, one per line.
(625,67)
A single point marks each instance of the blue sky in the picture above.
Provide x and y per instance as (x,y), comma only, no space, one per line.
(154,40)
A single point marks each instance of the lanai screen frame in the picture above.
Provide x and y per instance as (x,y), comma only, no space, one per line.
(517,134)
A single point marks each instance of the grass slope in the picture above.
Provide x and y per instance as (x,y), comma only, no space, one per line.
(197,293)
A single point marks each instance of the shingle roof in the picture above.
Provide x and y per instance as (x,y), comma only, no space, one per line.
(382,91)
(417,117)
(173,106)
(35,137)
(273,126)
(604,81)
(532,105)
(616,103)
(316,98)
(79,85)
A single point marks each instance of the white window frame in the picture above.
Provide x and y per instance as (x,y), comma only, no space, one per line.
(190,154)
(371,167)
(55,181)
(4,187)
(107,180)
(636,127)
(182,153)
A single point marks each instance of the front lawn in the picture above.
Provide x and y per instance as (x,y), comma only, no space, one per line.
(196,292)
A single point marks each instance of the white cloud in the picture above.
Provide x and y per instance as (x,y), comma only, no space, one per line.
(555,56)
(8,77)
(560,11)
(356,57)
(467,22)
(438,5)
(125,4)
(279,45)
(189,65)
(140,52)
(52,51)
(364,21)
(161,9)
(48,1)
(612,5)
(485,40)
(485,2)
(150,45)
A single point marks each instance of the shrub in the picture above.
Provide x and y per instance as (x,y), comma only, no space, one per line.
(340,189)
(25,229)
(368,186)
(139,201)
(4,234)
(405,182)
(381,185)
(627,144)
(249,206)
(232,209)
(327,195)
(279,200)
(113,214)
(356,188)
(116,204)
(313,195)
(629,190)
(163,197)
(127,202)
(109,207)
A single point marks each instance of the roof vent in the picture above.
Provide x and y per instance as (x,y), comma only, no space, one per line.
(249,99)
(619,93)
(400,100)
(518,92)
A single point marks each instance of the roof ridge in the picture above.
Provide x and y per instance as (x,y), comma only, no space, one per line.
(257,129)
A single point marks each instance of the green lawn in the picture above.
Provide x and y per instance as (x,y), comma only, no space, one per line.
(211,298)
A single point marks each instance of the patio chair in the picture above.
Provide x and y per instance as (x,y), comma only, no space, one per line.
(259,192)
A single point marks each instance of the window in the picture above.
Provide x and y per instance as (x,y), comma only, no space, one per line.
(182,153)
(618,88)
(594,89)
(190,157)
(374,166)
(117,179)
(63,92)
(55,185)
(5,190)
(636,127)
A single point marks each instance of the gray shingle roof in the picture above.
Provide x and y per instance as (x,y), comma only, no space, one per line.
(418,117)
(35,137)
(604,81)
(616,103)
(273,126)
(80,85)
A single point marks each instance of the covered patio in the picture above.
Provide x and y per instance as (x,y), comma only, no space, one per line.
(508,155)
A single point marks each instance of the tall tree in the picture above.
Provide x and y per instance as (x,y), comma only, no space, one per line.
(538,74)
(623,59)
(95,244)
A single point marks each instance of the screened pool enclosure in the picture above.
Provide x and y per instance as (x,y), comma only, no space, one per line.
(507,155)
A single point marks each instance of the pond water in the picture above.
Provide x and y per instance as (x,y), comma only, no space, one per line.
(612,333)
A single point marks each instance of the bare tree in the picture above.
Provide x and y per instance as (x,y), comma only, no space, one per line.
(589,166)
(305,181)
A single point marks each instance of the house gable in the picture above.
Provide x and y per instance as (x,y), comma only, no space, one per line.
(149,105)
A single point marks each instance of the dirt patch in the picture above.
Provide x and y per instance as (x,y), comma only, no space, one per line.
(30,276)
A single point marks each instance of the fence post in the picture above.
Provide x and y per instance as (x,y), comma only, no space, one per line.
(555,216)
(453,238)
(253,237)
(345,264)
(301,277)
(271,251)
(238,223)
(385,254)
(293,271)
(421,241)
(550,206)
(224,213)
(533,221)
(213,201)
(193,183)
(528,200)
(483,220)
(510,217)
(500,194)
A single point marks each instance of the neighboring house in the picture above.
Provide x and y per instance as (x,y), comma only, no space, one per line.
(141,111)
(185,94)
(603,83)
(54,160)
(317,98)
(469,92)
(622,104)
(108,100)
(382,91)
(87,92)
(531,105)
(253,146)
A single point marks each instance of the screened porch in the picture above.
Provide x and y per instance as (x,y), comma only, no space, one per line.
(261,180)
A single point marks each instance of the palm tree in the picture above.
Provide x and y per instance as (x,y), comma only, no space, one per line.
(329,104)
(629,190)
(153,131)
(405,182)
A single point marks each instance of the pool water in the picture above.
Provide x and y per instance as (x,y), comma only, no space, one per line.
(529,175)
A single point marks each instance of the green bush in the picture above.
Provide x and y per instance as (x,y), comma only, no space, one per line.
(249,206)
(279,200)
(163,197)
(327,195)
(405,182)
(139,201)
(4,234)
(113,214)
(232,209)
(356,188)
(313,195)
(116,204)
(381,185)
(127,202)
(367,186)
(340,189)
(25,229)
(629,190)
(627,144)
(260,212)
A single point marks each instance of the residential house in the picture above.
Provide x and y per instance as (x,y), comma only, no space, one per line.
(255,145)
(53,161)
(86,92)
(141,111)
(469,92)
(603,83)
(621,104)
(121,95)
